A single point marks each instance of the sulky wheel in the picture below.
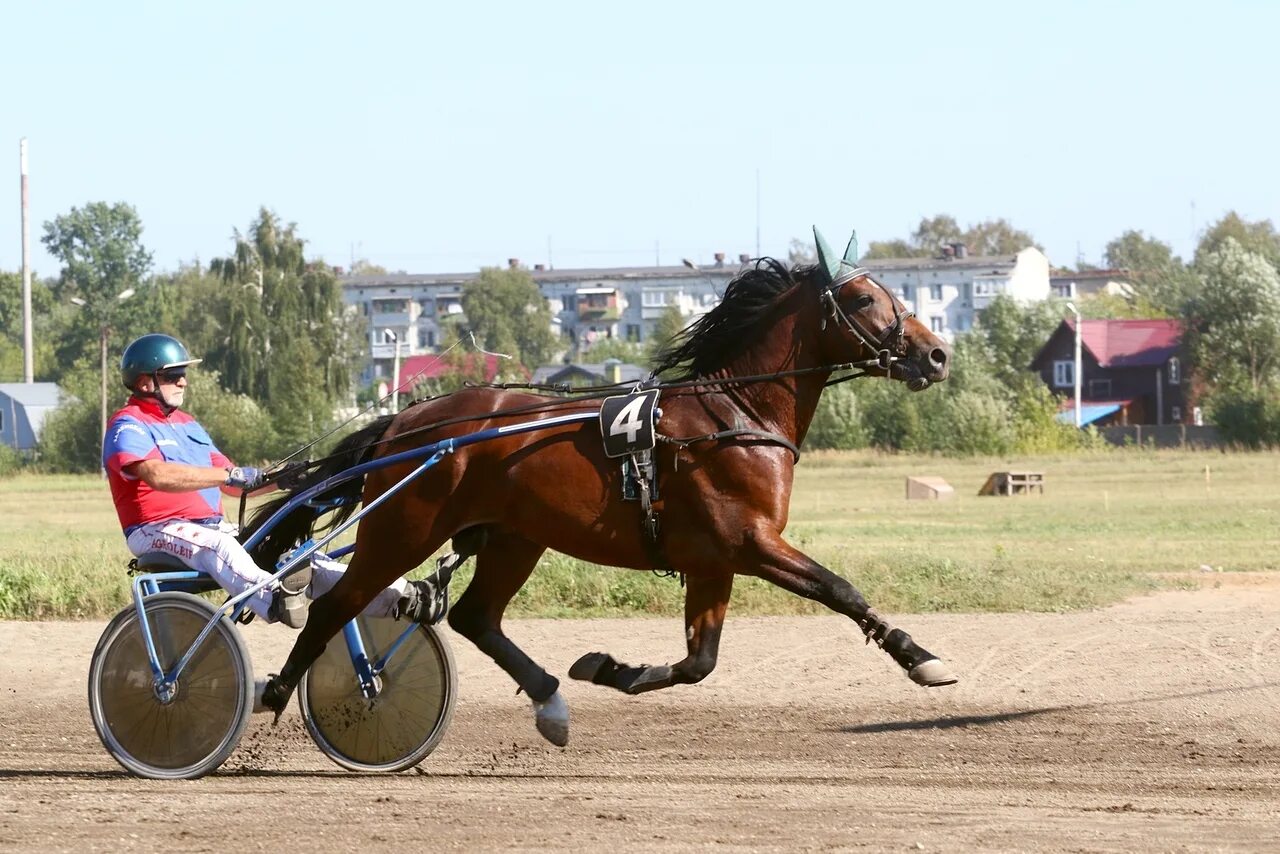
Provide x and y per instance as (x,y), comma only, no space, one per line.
(196,729)
(408,718)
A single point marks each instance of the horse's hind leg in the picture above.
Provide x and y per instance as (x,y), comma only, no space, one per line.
(705,600)
(774,560)
(503,564)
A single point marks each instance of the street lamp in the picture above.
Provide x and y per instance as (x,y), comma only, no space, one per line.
(1075,368)
(389,335)
(103,331)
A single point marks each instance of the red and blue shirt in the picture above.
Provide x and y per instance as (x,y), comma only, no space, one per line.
(141,431)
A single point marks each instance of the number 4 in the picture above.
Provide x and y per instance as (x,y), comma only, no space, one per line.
(628,419)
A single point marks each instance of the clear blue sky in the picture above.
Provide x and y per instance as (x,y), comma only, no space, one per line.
(443,137)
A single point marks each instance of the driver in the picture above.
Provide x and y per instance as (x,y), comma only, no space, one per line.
(166,475)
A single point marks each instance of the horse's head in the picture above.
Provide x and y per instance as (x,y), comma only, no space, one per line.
(864,322)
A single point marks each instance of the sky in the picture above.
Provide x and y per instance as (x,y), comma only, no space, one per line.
(431,137)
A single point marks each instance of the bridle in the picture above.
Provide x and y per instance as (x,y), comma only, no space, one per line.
(890,347)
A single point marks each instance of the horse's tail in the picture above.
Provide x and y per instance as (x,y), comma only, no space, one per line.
(300,523)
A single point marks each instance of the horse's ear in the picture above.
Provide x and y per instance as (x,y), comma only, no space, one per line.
(828,266)
(851,251)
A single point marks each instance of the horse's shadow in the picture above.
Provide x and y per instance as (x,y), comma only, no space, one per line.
(961,721)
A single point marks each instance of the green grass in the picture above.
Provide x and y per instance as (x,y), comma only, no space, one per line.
(1110,523)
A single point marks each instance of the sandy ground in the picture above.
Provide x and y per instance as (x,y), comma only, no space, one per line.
(1151,725)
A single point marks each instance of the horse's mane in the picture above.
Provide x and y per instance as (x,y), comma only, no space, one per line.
(710,342)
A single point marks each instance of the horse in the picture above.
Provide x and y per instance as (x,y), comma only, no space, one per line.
(748,376)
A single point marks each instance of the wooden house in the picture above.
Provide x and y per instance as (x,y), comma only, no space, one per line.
(1132,372)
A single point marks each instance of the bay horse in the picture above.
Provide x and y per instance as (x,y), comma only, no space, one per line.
(723,502)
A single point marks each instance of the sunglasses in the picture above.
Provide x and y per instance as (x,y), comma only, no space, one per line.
(172,375)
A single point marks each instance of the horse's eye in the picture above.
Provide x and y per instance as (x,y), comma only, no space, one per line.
(864,301)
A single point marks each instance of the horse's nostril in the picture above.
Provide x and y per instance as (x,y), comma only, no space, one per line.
(938,356)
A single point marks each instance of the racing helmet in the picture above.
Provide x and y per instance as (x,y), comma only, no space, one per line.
(151,353)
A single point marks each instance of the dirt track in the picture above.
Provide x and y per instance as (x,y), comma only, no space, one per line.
(1152,725)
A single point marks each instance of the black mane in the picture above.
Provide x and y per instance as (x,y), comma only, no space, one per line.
(715,338)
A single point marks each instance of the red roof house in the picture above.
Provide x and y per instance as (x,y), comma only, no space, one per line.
(417,369)
(1132,371)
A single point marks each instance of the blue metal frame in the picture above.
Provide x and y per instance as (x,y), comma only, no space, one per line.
(366,671)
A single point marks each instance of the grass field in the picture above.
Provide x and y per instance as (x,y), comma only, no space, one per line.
(1110,523)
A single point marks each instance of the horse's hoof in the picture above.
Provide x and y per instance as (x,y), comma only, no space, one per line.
(273,697)
(552,719)
(645,679)
(932,674)
(592,665)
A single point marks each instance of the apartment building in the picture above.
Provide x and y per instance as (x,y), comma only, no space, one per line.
(949,291)
(587,305)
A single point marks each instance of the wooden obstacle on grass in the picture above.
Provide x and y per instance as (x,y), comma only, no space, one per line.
(1013,483)
(929,488)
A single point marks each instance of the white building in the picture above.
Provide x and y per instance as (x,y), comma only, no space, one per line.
(586,305)
(948,292)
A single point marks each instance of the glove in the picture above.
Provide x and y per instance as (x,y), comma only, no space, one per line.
(244,477)
(293,475)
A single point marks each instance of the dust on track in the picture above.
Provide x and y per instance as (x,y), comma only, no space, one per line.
(1154,724)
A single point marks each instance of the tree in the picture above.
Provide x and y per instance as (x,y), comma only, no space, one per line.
(668,325)
(1257,237)
(889,249)
(990,237)
(615,348)
(1161,282)
(1015,333)
(102,257)
(508,314)
(11,356)
(1233,320)
(935,232)
(996,237)
(364,267)
(282,334)
(801,253)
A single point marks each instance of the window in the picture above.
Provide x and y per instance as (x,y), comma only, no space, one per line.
(1065,290)
(935,323)
(906,292)
(389,306)
(1175,413)
(653,299)
(1175,371)
(935,293)
(1064,373)
(1099,389)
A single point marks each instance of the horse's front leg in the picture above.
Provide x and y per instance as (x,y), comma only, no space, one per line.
(705,601)
(776,561)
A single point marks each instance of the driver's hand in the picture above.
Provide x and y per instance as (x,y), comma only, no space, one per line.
(244,477)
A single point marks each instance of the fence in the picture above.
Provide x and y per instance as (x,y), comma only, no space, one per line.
(1163,436)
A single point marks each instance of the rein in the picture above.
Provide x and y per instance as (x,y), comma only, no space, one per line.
(887,348)
(597,392)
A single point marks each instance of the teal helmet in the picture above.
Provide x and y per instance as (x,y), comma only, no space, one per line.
(152,353)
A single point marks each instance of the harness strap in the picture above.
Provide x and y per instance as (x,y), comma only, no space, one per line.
(775,438)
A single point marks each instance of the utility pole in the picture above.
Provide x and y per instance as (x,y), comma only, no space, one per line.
(28,345)
(757,212)
(102,347)
(1075,368)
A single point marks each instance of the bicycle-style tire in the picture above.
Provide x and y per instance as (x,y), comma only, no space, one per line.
(199,728)
(409,717)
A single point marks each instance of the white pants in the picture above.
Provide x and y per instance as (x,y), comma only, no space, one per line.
(216,551)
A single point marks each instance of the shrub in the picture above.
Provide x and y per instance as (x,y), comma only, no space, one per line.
(10,461)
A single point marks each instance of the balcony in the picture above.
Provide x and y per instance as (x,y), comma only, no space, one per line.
(594,313)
